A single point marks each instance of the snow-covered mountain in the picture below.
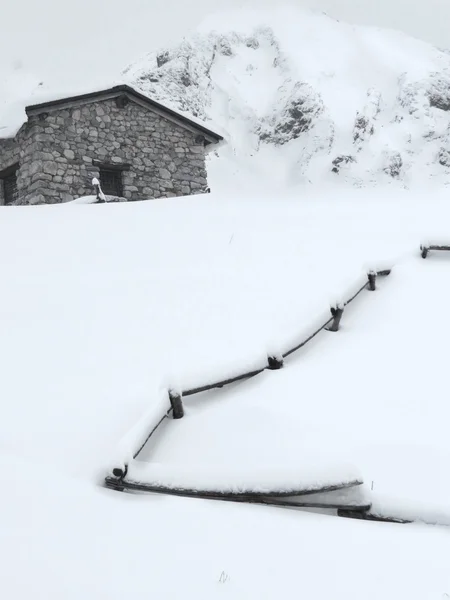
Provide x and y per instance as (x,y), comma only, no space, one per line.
(304,97)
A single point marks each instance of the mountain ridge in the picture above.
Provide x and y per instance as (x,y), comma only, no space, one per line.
(318,98)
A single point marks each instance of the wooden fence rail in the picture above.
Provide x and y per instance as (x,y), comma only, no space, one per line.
(175,408)
(303,499)
(425,248)
(332,324)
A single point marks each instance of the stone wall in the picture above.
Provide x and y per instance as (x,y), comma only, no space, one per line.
(9,156)
(58,151)
(9,153)
(19,150)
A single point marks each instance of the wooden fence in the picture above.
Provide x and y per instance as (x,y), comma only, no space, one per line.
(175,397)
(425,248)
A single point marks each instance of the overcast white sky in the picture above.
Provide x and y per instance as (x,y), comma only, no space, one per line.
(85,38)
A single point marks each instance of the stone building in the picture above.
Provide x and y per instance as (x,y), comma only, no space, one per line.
(136,147)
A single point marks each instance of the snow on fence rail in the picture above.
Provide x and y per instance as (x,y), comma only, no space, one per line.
(244,481)
(316,486)
(399,510)
(275,361)
(133,443)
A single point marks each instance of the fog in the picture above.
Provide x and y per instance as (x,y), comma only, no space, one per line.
(88,40)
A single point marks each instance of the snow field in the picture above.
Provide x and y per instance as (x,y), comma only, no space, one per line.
(380,404)
(106,311)
(103,305)
(75,540)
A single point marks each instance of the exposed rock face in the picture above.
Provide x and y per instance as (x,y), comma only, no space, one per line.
(365,120)
(341,161)
(394,164)
(444,157)
(439,92)
(59,153)
(296,116)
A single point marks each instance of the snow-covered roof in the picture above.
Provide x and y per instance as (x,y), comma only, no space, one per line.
(130,93)
(16,113)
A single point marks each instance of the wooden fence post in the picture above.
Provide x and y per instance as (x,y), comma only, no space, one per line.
(337,315)
(177,404)
(120,473)
(372,276)
(274,362)
(98,190)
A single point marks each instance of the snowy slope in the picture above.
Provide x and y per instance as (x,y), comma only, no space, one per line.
(363,396)
(311,98)
(102,304)
(16,89)
(119,300)
(65,539)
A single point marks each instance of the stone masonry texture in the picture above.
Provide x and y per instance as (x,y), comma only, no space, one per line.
(57,153)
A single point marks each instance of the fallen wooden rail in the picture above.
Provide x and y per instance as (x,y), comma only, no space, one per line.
(424,249)
(361,509)
(281,500)
(155,488)
(366,515)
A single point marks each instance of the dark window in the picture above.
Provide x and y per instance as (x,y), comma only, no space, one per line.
(111,181)
(9,183)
